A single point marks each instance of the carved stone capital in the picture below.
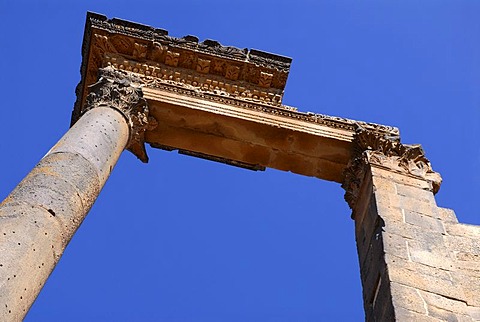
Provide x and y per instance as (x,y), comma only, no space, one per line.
(387,152)
(121,90)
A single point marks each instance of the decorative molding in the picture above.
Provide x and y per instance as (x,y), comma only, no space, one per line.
(248,74)
(253,79)
(120,90)
(200,78)
(208,46)
(283,111)
(385,151)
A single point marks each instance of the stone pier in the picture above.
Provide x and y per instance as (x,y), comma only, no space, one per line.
(222,103)
(417,263)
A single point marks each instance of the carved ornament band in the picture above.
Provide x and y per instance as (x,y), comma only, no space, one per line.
(249,79)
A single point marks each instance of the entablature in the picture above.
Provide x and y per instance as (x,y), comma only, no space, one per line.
(218,102)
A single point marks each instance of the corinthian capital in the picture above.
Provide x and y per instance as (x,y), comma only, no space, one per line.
(122,91)
(385,151)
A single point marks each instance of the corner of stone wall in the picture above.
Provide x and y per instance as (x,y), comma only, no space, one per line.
(463,240)
(415,258)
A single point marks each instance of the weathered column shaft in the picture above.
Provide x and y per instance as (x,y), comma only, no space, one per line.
(408,246)
(40,216)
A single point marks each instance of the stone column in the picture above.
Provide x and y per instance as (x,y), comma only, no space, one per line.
(408,246)
(40,216)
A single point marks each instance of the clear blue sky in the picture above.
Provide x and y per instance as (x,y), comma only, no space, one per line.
(184,239)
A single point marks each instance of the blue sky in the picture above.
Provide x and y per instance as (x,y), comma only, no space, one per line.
(184,239)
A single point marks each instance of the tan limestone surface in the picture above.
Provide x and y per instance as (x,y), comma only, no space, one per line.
(430,262)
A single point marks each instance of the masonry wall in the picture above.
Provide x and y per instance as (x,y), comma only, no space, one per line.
(417,262)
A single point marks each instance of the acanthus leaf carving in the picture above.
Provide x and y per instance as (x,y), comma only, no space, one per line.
(203,65)
(232,72)
(140,51)
(122,91)
(172,58)
(103,44)
(385,150)
(265,79)
(157,51)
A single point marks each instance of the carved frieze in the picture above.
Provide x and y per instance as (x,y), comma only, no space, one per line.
(120,90)
(250,75)
(201,77)
(386,151)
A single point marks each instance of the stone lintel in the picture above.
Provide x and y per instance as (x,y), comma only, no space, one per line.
(218,102)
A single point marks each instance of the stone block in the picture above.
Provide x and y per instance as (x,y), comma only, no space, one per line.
(360,211)
(424,221)
(389,212)
(464,245)
(444,303)
(395,245)
(406,230)
(468,257)
(401,179)
(387,197)
(423,277)
(430,249)
(468,267)
(463,230)
(444,315)
(433,259)
(384,185)
(447,215)
(418,206)
(416,194)
(386,203)
(474,312)
(407,297)
(402,314)
(470,286)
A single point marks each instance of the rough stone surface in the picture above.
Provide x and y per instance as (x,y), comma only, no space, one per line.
(428,263)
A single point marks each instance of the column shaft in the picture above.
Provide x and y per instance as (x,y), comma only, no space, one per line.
(40,216)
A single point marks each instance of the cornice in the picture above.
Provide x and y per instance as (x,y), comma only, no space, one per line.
(249,79)
(247,74)
(189,42)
